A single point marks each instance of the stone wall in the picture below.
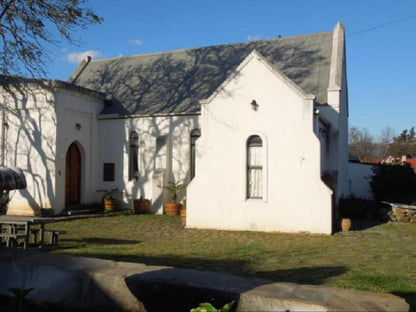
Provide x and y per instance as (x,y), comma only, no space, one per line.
(402,213)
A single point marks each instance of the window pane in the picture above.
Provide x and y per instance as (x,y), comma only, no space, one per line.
(254,155)
(134,156)
(109,172)
(254,167)
(255,187)
(195,134)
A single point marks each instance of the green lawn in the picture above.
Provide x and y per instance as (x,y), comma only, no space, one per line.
(381,258)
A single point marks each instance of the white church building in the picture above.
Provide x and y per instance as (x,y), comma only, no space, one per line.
(257,130)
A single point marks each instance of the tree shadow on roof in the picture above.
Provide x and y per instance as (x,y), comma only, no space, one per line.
(175,82)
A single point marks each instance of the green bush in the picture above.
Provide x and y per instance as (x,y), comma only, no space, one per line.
(208,307)
(394,183)
(359,208)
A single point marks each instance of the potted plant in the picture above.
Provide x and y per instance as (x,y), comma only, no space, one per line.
(140,206)
(172,208)
(345,211)
(110,200)
(183,211)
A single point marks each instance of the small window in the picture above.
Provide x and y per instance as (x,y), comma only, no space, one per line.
(134,156)
(254,167)
(109,172)
(195,134)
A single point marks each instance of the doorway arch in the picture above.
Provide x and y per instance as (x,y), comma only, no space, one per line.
(73,167)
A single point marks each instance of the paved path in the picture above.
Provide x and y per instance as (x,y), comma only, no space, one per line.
(103,285)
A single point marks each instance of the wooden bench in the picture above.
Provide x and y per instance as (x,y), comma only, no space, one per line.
(12,239)
(54,236)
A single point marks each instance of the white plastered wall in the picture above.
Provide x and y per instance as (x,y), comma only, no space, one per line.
(30,137)
(156,168)
(41,126)
(360,175)
(295,198)
(77,120)
(337,113)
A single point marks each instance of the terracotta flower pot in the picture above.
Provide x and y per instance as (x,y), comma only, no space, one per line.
(183,216)
(346,224)
(111,204)
(172,209)
(142,207)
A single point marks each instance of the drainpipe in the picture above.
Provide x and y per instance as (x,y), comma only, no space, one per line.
(3,114)
(4,127)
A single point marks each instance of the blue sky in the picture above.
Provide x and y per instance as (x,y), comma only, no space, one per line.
(381,61)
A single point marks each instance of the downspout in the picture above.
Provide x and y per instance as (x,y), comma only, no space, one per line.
(3,135)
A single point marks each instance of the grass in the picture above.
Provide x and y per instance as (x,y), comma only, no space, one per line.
(381,258)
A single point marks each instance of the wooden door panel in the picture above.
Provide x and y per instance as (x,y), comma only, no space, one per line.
(73,176)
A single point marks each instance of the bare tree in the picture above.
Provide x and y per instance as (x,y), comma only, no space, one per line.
(361,143)
(28,26)
(385,139)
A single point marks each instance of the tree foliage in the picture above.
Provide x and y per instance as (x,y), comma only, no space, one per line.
(404,144)
(27,26)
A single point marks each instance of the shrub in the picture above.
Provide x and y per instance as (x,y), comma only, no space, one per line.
(393,183)
(358,208)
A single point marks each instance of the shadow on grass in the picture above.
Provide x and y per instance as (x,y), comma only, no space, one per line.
(304,275)
(363,224)
(66,243)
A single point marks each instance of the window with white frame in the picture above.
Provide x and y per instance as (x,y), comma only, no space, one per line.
(254,167)
(195,134)
(134,156)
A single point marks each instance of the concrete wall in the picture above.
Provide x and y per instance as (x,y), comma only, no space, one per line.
(164,147)
(294,198)
(360,180)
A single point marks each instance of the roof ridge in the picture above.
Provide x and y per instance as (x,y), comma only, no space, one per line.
(210,46)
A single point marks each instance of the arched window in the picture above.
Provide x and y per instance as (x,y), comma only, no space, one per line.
(254,167)
(134,156)
(195,134)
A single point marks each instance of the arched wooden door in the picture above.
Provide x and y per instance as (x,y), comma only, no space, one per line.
(73,176)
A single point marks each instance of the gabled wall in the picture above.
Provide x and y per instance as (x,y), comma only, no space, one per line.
(294,198)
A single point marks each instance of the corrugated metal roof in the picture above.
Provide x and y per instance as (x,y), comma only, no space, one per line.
(175,82)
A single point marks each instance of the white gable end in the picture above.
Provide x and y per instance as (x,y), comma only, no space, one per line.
(289,156)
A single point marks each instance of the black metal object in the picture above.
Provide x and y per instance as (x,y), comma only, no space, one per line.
(12,179)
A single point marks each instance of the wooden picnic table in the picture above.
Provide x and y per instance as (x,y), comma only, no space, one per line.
(17,230)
